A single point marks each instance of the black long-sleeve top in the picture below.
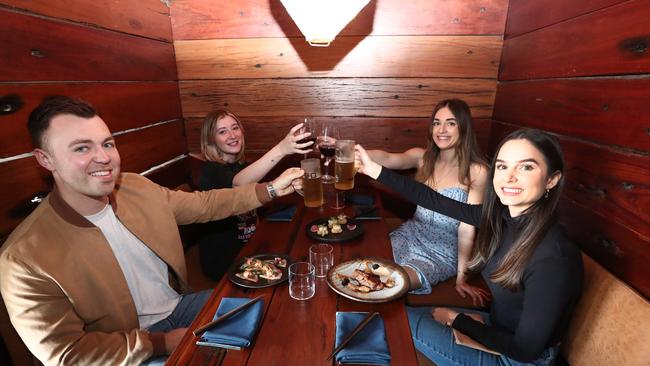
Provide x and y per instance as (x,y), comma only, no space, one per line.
(526,321)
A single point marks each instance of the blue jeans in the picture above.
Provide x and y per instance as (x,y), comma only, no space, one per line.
(182,316)
(436,341)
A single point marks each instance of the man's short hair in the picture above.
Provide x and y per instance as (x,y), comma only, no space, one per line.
(52,106)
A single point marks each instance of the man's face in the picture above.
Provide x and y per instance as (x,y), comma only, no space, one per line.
(81,154)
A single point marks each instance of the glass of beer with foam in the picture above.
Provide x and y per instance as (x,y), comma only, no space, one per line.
(311,182)
(344,165)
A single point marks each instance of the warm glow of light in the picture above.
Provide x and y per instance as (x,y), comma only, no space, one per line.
(321,20)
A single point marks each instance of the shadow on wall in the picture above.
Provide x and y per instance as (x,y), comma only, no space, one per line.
(324,58)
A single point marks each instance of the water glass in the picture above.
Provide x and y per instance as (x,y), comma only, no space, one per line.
(321,256)
(302,281)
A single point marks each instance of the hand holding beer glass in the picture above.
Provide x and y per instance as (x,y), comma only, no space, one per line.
(344,165)
(311,182)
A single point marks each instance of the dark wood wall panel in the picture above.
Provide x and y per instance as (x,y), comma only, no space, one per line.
(39,49)
(193,19)
(612,111)
(379,97)
(392,134)
(121,105)
(392,56)
(622,251)
(139,151)
(610,41)
(148,18)
(525,16)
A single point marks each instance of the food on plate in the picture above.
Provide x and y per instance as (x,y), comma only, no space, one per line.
(253,269)
(376,268)
(335,225)
(336,229)
(365,280)
(321,230)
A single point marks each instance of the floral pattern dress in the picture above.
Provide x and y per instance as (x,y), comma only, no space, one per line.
(428,242)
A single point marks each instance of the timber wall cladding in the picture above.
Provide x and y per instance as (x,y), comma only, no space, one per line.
(379,79)
(581,70)
(117,55)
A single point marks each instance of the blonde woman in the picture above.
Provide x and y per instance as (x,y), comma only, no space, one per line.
(223,146)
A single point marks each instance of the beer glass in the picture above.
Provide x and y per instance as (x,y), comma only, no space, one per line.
(344,165)
(311,182)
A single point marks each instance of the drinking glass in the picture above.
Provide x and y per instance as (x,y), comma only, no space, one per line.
(302,281)
(327,146)
(344,165)
(311,182)
(308,126)
(321,256)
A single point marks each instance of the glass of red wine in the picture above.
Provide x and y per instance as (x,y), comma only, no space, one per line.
(327,137)
(308,126)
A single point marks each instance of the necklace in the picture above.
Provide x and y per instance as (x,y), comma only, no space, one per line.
(441,179)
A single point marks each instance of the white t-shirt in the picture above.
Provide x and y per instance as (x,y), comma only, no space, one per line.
(146,274)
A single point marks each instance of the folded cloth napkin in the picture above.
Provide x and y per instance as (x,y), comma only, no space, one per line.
(368,347)
(360,199)
(239,329)
(282,214)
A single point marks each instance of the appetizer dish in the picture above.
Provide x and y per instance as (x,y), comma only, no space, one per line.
(253,269)
(260,270)
(368,279)
(334,228)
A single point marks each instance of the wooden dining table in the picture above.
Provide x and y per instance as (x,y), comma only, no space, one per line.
(294,332)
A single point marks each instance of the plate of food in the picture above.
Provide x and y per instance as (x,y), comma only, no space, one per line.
(260,270)
(334,229)
(368,280)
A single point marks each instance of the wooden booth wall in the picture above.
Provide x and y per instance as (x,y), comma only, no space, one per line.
(118,55)
(379,79)
(581,70)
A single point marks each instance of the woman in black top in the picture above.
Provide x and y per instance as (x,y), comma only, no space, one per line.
(533,270)
(223,145)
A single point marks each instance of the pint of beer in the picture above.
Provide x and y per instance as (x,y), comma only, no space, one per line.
(344,165)
(311,182)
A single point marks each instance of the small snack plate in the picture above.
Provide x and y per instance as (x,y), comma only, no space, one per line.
(236,267)
(351,230)
(395,272)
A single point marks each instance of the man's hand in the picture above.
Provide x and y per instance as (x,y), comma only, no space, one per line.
(173,338)
(364,164)
(284,184)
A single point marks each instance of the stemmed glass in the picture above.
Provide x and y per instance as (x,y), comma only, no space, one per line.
(327,146)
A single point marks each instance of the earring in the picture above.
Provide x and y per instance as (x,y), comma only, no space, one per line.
(546,195)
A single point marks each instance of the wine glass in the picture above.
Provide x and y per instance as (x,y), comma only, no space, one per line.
(329,133)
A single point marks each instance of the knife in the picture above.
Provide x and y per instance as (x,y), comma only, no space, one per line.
(354,332)
(225,316)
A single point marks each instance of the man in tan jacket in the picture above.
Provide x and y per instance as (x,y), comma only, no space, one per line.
(96,274)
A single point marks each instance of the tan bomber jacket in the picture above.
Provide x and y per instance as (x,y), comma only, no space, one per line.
(63,287)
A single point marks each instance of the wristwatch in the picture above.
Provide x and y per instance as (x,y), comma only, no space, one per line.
(272,193)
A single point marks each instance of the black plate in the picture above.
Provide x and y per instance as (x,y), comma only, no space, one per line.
(236,267)
(346,235)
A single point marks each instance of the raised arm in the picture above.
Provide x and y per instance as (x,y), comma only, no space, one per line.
(416,192)
(411,158)
(287,146)
(466,236)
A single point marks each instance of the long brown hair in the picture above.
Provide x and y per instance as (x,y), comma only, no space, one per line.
(467,150)
(209,148)
(532,225)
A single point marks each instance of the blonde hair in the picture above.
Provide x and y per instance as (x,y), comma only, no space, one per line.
(209,148)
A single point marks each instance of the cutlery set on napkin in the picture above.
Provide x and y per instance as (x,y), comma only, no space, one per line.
(360,337)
